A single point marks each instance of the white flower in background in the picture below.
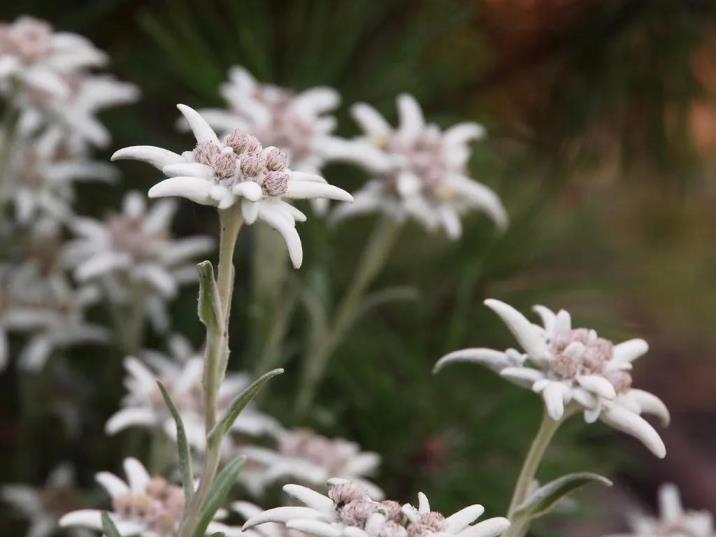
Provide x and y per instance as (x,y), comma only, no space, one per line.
(134,249)
(573,366)
(42,507)
(421,172)
(347,510)
(221,173)
(47,310)
(143,405)
(40,176)
(673,520)
(36,58)
(147,506)
(306,456)
(296,123)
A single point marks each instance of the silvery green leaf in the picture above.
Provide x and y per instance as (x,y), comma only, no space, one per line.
(239,403)
(209,302)
(218,493)
(543,500)
(108,527)
(182,445)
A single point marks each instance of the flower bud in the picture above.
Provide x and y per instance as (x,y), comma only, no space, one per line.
(276,160)
(205,152)
(252,164)
(224,165)
(242,143)
(275,183)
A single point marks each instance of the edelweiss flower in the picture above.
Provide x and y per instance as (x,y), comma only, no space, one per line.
(221,172)
(573,365)
(143,406)
(311,458)
(38,59)
(421,172)
(294,122)
(145,506)
(42,507)
(349,511)
(135,248)
(674,521)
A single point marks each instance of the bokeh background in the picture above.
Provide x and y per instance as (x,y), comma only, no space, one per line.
(601,117)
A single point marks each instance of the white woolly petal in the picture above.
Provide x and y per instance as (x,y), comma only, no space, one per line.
(156,156)
(411,116)
(189,169)
(129,417)
(631,423)
(90,518)
(463,132)
(463,518)
(201,129)
(651,404)
(549,319)
(192,188)
(630,350)
(423,503)
(314,527)
(553,395)
(363,463)
(482,197)
(370,120)
(670,504)
(492,527)
(527,334)
(310,497)
(287,231)
(112,484)
(249,211)
(523,376)
(352,531)
(283,515)
(309,189)
(495,360)
(101,264)
(249,190)
(598,385)
(136,474)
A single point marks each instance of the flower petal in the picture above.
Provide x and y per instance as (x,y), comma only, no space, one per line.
(310,497)
(492,527)
(495,360)
(527,334)
(463,518)
(287,231)
(189,169)
(192,188)
(283,515)
(598,385)
(411,116)
(156,156)
(136,475)
(553,395)
(651,404)
(630,350)
(112,484)
(201,129)
(633,424)
(90,518)
(314,527)
(308,190)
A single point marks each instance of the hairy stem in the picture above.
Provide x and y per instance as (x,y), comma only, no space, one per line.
(372,260)
(215,363)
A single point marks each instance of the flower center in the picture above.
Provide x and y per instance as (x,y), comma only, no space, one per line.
(159,508)
(128,235)
(334,455)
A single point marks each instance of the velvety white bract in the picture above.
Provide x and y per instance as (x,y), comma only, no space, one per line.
(572,366)
(673,520)
(420,171)
(236,169)
(143,506)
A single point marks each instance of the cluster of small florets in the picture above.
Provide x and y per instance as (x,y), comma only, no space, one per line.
(159,508)
(332,454)
(28,39)
(243,158)
(129,234)
(583,352)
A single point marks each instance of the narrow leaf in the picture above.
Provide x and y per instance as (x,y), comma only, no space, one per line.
(239,403)
(108,527)
(543,500)
(182,445)
(209,303)
(218,493)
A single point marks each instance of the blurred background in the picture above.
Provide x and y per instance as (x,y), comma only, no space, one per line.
(601,121)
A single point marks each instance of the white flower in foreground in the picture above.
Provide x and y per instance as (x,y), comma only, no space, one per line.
(248,510)
(573,365)
(42,507)
(420,171)
(143,506)
(134,249)
(673,520)
(294,122)
(38,59)
(349,511)
(143,405)
(221,173)
(306,456)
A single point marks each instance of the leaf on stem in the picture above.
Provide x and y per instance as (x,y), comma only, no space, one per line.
(182,445)
(239,403)
(108,527)
(217,494)
(209,302)
(544,499)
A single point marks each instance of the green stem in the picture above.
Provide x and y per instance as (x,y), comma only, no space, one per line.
(215,363)
(372,260)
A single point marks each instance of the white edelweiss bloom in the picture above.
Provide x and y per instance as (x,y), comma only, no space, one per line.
(43,506)
(310,458)
(573,366)
(238,168)
(420,171)
(143,405)
(135,249)
(41,174)
(145,506)
(673,521)
(347,510)
(40,60)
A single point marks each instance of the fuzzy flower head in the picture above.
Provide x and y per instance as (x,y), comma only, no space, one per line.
(420,171)
(143,405)
(348,510)
(573,366)
(294,122)
(39,59)
(146,506)
(311,458)
(235,169)
(673,521)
